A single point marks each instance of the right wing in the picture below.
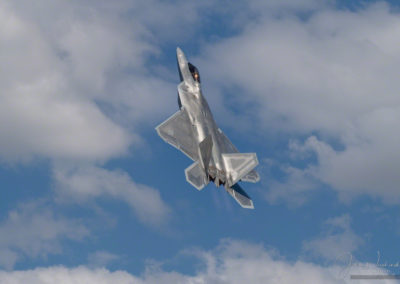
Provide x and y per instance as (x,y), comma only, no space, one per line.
(226,144)
(228,147)
(177,131)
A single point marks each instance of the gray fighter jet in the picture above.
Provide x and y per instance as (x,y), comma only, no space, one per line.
(192,130)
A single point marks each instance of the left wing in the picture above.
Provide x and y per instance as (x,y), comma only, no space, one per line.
(177,131)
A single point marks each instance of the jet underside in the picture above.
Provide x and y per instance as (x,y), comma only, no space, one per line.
(192,130)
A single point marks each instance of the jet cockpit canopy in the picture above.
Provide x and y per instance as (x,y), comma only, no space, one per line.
(194,71)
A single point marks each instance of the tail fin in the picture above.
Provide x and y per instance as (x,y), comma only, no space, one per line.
(238,165)
(240,196)
(196,176)
(205,150)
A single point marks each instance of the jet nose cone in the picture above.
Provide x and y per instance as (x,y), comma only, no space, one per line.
(179,52)
(181,57)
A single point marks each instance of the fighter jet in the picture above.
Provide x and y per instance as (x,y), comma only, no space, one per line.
(192,130)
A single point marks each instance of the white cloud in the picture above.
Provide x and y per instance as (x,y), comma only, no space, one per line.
(332,72)
(231,262)
(295,189)
(81,184)
(65,275)
(32,230)
(37,123)
(44,112)
(337,242)
(101,258)
(76,87)
(285,6)
(365,168)
(77,79)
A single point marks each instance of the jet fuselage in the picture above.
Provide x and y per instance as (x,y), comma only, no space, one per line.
(203,123)
(193,131)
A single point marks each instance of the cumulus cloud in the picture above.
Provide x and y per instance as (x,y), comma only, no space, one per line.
(33,230)
(231,262)
(77,86)
(81,184)
(331,74)
(366,168)
(101,258)
(337,242)
(77,78)
(65,275)
(295,188)
(43,111)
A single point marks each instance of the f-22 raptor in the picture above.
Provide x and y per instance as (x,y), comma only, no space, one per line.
(192,130)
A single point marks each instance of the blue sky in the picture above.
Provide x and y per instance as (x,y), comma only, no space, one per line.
(91,193)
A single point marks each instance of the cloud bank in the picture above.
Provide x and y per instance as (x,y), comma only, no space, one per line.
(230,262)
(33,230)
(86,183)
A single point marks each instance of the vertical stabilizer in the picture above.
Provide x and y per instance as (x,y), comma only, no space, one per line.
(240,196)
(205,151)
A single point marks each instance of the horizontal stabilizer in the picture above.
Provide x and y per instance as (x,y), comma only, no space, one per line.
(252,176)
(195,175)
(177,131)
(240,196)
(238,165)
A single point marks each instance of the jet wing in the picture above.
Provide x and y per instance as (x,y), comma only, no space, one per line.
(228,147)
(178,131)
(226,144)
